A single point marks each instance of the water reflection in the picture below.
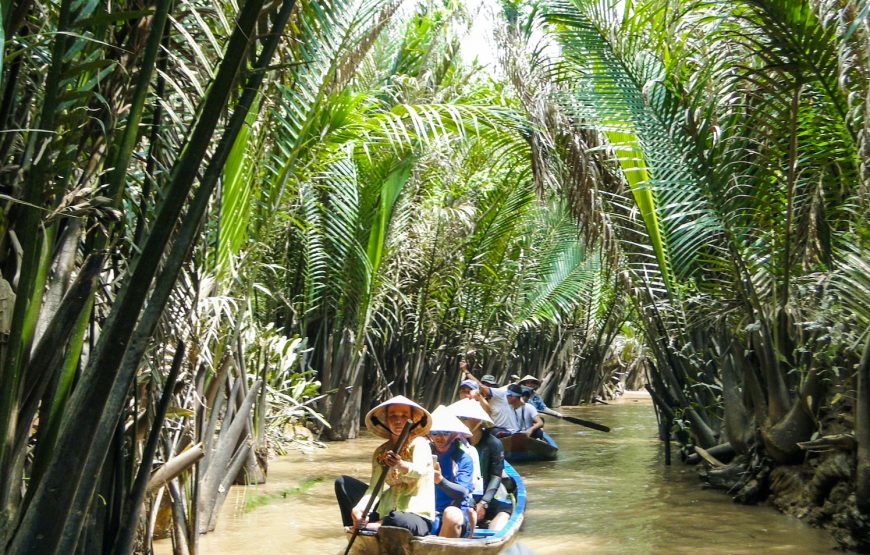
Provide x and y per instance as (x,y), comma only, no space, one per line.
(607,493)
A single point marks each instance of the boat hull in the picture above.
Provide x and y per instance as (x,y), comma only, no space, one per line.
(521,448)
(399,541)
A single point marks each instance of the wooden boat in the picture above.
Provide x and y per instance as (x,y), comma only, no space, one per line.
(398,541)
(522,448)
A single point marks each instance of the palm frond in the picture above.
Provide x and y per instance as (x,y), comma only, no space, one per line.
(561,276)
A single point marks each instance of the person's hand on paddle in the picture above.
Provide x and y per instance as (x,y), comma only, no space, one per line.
(552,412)
(438,476)
(395,462)
(529,432)
(359,522)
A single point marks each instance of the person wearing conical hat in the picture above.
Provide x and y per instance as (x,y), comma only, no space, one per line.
(469,447)
(477,477)
(454,472)
(490,453)
(535,400)
(408,496)
(529,381)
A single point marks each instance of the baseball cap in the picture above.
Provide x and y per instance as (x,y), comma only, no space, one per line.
(470,384)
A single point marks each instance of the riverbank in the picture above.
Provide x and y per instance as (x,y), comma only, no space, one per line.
(819,490)
(819,493)
(607,493)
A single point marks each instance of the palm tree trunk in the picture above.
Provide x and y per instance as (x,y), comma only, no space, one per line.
(862,432)
(738,423)
(781,439)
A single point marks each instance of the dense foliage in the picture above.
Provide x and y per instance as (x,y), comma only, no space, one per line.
(744,125)
(222,217)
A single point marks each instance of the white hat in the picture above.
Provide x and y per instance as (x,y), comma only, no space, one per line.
(376,419)
(469,408)
(443,420)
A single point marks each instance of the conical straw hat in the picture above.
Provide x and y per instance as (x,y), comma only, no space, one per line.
(443,420)
(469,408)
(376,419)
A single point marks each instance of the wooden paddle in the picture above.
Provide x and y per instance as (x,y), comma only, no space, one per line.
(380,483)
(579,421)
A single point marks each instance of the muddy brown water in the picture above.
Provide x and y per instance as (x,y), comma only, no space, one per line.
(607,493)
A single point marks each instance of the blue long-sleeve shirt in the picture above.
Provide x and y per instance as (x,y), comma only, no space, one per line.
(538,403)
(457,473)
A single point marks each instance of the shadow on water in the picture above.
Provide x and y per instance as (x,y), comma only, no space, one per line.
(607,493)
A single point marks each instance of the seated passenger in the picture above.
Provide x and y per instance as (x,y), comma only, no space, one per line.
(408,496)
(527,393)
(477,478)
(468,447)
(525,419)
(491,456)
(454,471)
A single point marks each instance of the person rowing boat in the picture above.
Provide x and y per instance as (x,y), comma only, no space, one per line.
(497,403)
(484,541)
(454,484)
(535,400)
(408,498)
(527,393)
(517,423)
(470,388)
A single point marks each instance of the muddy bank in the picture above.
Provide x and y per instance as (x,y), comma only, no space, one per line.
(819,491)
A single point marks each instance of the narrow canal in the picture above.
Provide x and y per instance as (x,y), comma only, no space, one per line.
(607,493)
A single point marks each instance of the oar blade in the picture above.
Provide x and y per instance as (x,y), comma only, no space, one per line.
(587,423)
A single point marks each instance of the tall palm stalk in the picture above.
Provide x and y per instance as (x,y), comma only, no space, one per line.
(79,424)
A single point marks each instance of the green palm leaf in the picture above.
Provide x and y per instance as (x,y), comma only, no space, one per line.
(237,194)
(561,276)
